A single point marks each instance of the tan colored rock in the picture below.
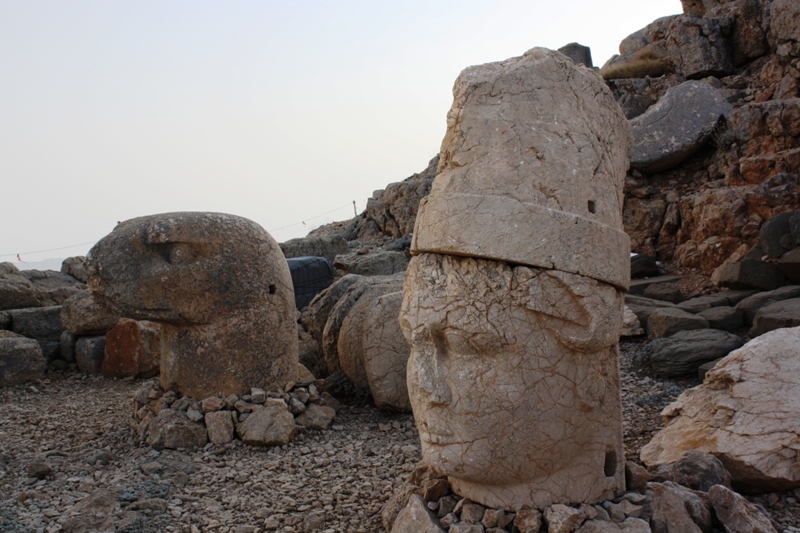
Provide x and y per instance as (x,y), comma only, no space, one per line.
(220,426)
(386,353)
(523,125)
(736,513)
(81,316)
(513,375)
(270,425)
(133,349)
(220,287)
(631,327)
(492,348)
(172,429)
(416,518)
(317,416)
(746,413)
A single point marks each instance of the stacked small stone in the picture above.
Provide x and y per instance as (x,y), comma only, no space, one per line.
(164,419)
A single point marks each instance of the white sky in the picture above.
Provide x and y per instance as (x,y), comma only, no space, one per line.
(278,111)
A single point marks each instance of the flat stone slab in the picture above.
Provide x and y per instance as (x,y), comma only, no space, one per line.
(676,126)
(639,285)
(684,352)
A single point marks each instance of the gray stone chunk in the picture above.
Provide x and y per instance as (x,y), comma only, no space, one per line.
(578,53)
(81,316)
(773,232)
(416,518)
(676,508)
(372,264)
(685,351)
(676,127)
(789,265)
(668,292)
(89,354)
(783,314)
(172,429)
(327,246)
(220,426)
(21,360)
(271,425)
(41,323)
(725,318)
(666,322)
(752,304)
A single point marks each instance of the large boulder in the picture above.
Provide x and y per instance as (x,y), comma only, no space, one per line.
(685,351)
(81,316)
(677,126)
(21,359)
(75,267)
(89,353)
(220,287)
(34,288)
(785,21)
(315,316)
(736,514)
(775,235)
(133,349)
(385,353)
(365,286)
(699,47)
(42,324)
(746,413)
(327,246)
(750,274)
(676,508)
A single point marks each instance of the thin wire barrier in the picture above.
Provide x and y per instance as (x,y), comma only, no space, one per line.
(18,255)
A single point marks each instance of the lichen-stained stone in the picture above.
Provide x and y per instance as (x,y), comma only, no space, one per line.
(550,133)
(514,382)
(219,286)
(746,413)
(513,299)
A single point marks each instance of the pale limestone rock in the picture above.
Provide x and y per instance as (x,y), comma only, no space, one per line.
(270,425)
(317,416)
(514,375)
(746,413)
(492,348)
(676,508)
(631,327)
(221,289)
(531,170)
(737,514)
(562,518)
(220,426)
(386,353)
(416,518)
(172,429)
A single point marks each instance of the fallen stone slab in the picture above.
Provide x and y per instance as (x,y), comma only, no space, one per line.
(783,314)
(676,508)
(676,127)
(751,274)
(750,305)
(725,318)
(736,513)
(746,413)
(327,246)
(683,353)
(666,322)
(667,292)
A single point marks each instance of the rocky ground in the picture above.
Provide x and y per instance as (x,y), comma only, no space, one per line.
(332,481)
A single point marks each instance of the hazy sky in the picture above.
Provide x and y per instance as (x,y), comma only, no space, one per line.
(276,111)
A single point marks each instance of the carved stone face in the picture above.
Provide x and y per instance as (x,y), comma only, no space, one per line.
(513,378)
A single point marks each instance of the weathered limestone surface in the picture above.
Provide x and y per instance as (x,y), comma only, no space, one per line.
(386,353)
(513,379)
(513,375)
(220,287)
(81,316)
(746,413)
(540,126)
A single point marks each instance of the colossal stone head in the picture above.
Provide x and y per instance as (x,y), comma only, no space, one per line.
(513,301)
(219,285)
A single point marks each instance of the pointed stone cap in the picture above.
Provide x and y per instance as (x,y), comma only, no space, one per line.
(531,171)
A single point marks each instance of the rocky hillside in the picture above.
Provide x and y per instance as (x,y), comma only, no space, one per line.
(715,174)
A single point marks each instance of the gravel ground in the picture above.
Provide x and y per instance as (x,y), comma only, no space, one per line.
(331,481)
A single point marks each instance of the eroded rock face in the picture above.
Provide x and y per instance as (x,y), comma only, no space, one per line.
(492,347)
(531,173)
(386,353)
(219,286)
(727,416)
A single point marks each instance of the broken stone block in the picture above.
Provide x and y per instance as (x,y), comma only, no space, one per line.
(270,425)
(81,316)
(316,416)
(668,321)
(220,426)
(682,353)
(172,429)
(21,359)
(89,354)
(133,349)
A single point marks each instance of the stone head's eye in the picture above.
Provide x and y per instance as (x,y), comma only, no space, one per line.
(180,254)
